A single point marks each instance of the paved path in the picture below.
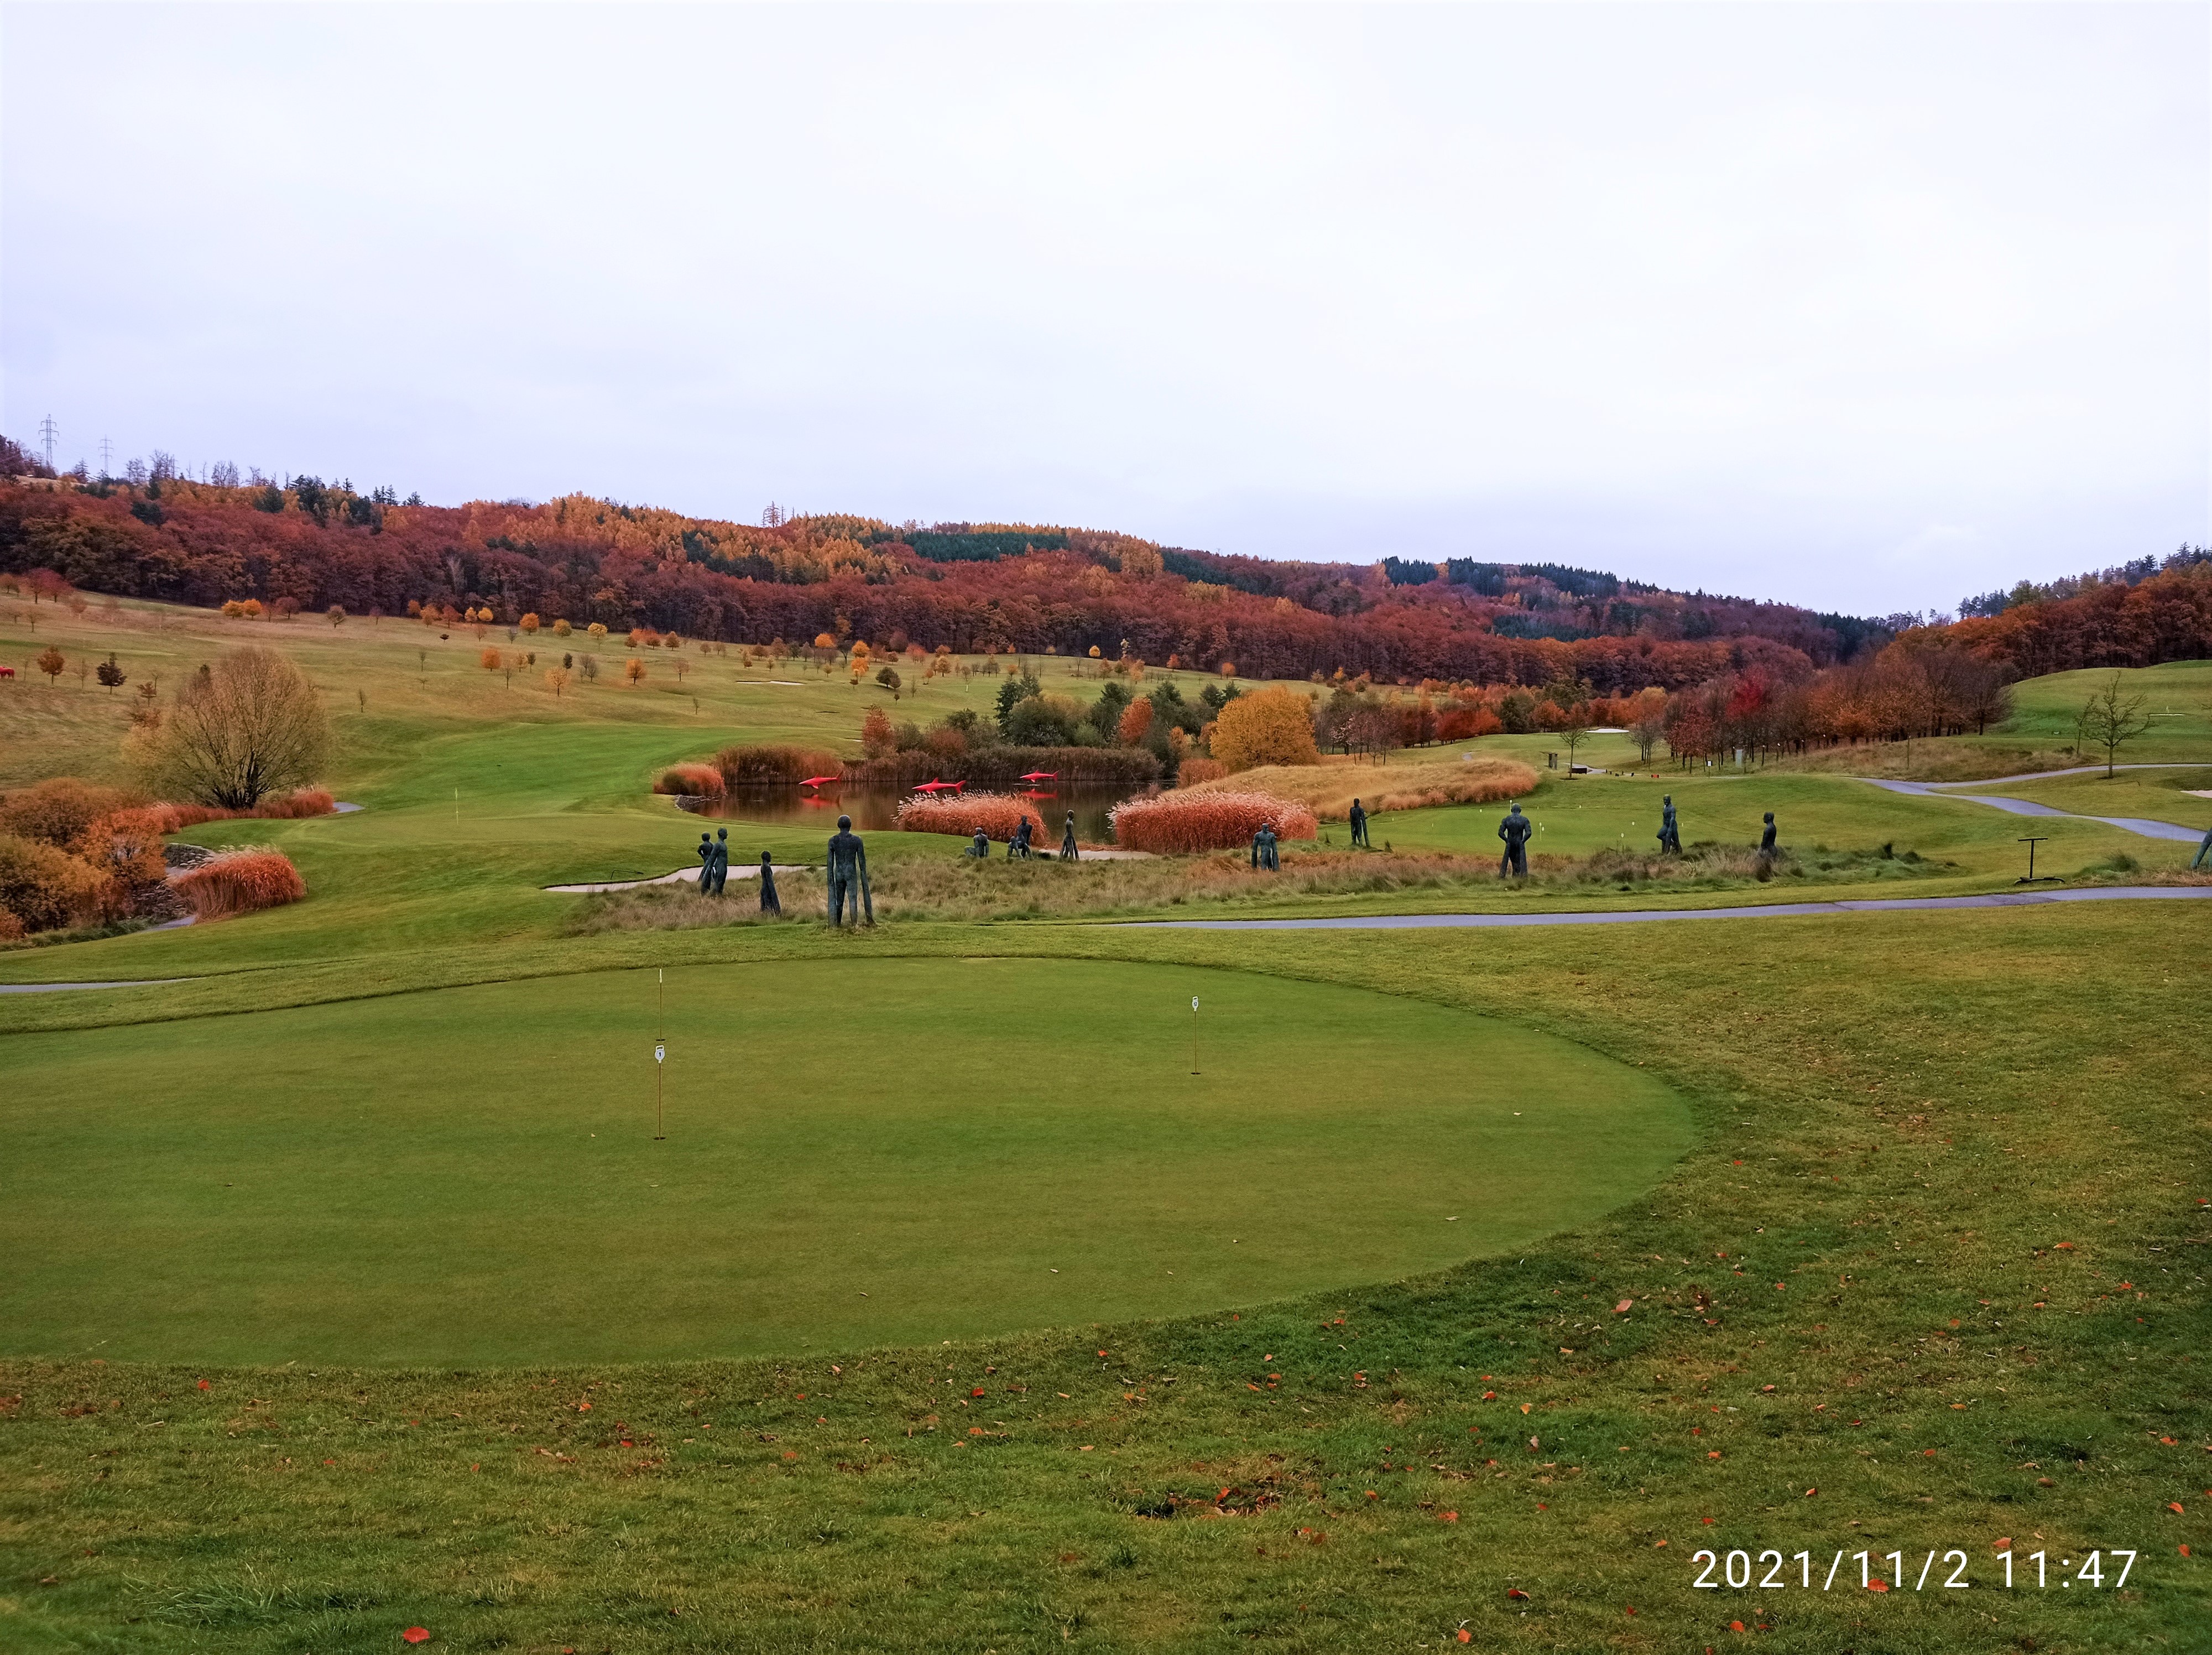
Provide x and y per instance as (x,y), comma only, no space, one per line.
(2145,826)
(2044,775)
(56,988)
(1641,916)
(681,876)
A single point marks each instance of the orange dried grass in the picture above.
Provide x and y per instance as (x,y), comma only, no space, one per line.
(691,781)
(1180,824)
(995,813)
(239,882)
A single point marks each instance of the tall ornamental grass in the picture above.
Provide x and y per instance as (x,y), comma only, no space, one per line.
(693,781)
(995,814)
(241,882)
(760,763)
(1181,823)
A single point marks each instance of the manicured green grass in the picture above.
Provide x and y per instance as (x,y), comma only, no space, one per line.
(1574,818)
(860,1152)
(1900,1117)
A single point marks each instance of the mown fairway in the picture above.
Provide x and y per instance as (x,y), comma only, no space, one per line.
(860,1152)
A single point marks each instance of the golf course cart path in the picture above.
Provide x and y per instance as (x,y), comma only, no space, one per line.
(2145,826)
(1639,915)
(56,988)
(681,876)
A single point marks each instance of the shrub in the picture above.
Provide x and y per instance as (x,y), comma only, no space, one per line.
(1179,822)
(997,814)
(691,781)
(1274,727)
(1194,770)
(766,762)
(58,811)
(240,881)
(293,807)
(45,888)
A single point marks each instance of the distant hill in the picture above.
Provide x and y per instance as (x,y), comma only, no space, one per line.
(970,586)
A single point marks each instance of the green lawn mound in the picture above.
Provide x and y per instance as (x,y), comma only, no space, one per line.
(858,1151)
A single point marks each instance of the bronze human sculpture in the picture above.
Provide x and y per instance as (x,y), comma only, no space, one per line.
(1670,833)
(1515,830)
(1264,855)
(706,864)
(1766,839)
(849,876)
(1359,825)
(1018,848)
(2204,850)
(721,859)
(1068,840)
(980,849)
(770,902)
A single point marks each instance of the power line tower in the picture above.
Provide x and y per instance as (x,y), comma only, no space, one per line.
(772,517)
(47,432)
(107,458)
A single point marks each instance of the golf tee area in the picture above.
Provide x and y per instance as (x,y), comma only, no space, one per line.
(953,1284)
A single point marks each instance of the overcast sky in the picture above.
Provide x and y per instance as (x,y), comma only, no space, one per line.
(1863,306)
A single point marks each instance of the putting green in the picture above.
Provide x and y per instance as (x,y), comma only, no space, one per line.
(858,1151)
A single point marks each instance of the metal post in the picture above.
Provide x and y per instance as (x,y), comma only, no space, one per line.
(1194,1034)
(660,1056)
(2031,844)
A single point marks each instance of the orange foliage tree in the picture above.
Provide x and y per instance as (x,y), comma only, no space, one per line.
(634,669)
(1273,725)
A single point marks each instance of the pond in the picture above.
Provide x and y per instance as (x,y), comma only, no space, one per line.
(874,809)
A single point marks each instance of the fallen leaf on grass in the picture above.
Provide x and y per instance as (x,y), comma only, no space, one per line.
(1516,1593)
(1877,1586)
(416,1635)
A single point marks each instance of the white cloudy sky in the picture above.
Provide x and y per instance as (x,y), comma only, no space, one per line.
(1860,305)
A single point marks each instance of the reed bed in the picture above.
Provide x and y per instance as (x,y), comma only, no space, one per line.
(997,814)
(1186,822)
(241,881)
(1328,789)
(693,781)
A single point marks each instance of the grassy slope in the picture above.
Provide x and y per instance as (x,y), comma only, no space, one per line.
(1900,1117)
(859,1152)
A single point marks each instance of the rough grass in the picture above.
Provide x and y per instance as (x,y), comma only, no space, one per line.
(956,889)
(1329,789)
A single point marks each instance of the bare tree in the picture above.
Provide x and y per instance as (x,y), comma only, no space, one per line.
(1574,735)
(2110,719)
(249,726)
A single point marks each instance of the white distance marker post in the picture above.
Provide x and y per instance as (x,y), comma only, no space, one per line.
(1194,1034)
(660,1057)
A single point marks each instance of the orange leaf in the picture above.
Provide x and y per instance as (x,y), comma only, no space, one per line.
(1621,1309)
(1736,1625)
(1465,1636)
(1525,1407)
(1516,1591)
(203,1385)
(1877,1586)
(2174,1505)
(416,1635)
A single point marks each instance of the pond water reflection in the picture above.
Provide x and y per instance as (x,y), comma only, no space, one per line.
(875,809)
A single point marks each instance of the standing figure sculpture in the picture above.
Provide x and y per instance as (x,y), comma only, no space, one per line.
(1264,853)
(1019,846)
(848,875)
(1068,840)
(1515,830)
(770,903)
(721,867)
(2204,850)
(1670,834)
(1766,839)
(1359,825)
(706,865)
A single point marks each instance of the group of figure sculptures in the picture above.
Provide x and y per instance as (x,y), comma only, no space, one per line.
(1023,845)
(1516,828)
(848,864)
(715,870)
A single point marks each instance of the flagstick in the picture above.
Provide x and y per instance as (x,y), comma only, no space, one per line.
(1194,1034)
